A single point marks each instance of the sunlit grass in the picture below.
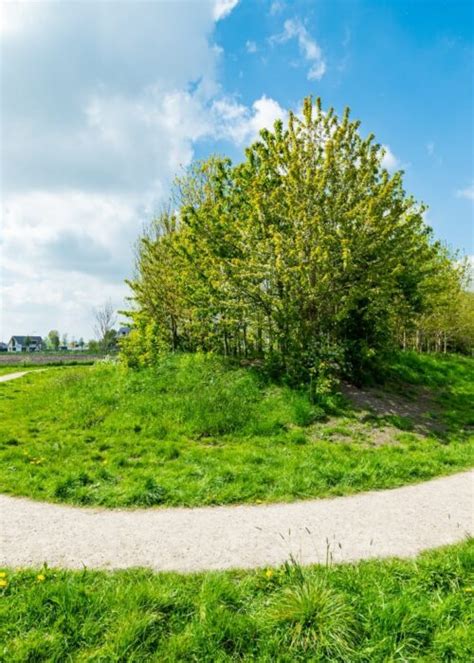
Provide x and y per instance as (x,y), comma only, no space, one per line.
(196,430)
(371,611)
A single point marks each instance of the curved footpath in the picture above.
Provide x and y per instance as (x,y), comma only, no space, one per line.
(12,376)
(399,522)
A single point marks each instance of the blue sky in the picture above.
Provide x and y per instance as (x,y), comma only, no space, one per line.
(103,102)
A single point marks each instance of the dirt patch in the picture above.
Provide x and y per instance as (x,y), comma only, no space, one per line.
(356,431)
(416,410)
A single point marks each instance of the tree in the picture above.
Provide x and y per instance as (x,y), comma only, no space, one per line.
(53,339)
(109,341)
(308,255)
(447,324)
(93,346)
(105,320)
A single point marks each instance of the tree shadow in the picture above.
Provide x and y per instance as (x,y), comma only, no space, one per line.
(416,409)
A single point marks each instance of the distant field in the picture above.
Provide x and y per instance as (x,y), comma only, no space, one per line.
(36,358)
(195,430)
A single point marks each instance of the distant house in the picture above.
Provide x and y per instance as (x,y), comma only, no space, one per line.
(123,331)
(25,344)
(3,347)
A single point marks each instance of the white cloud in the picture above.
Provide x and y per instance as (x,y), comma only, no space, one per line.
(309,48)
(91,144)
(467,193)
(241,125)
(265,113)
(276,7)
(222,8)
(251,46)
(389,160)
(63,253)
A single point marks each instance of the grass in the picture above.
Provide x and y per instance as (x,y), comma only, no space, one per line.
(197,431)
(451,377)
(377,611)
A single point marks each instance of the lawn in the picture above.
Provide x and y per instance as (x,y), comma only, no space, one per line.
(195,430)
(371,611)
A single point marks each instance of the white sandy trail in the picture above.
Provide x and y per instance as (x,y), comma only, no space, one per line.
(12,376)
(399,522)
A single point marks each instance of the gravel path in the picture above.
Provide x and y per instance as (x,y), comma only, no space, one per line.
(12,376)
(399,522)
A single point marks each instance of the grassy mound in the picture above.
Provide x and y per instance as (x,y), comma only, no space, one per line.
(371,611)
(196,430)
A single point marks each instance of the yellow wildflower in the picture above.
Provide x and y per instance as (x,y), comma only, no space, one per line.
(40,577)
(269,573)
(3,574)
(3,583)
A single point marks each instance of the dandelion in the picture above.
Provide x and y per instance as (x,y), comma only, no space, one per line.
(40,577)
(3,574)
(268,573)
(3,583)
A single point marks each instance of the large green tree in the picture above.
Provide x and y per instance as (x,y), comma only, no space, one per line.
(53,339)
(308,255)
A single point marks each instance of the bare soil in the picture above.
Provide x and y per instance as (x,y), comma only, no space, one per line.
(417,406)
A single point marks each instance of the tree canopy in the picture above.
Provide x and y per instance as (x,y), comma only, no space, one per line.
(309,255)
(53,339)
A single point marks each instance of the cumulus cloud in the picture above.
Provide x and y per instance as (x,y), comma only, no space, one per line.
(467,193)
(62,253)
(222,8)
(240,124)
(389,160)
(91,140)
(309,48)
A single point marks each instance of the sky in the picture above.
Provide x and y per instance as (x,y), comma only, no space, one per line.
(104,102)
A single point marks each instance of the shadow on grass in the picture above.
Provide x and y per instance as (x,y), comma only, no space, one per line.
(429,395)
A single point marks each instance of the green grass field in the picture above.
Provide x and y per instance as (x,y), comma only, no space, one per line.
(377,611)
(195,430)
